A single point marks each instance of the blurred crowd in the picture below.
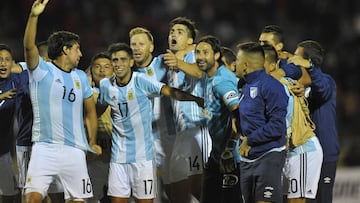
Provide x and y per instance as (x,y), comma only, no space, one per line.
(335,24)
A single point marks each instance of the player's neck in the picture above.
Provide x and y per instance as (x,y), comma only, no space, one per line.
(123,81)
(145,63)
(62,65)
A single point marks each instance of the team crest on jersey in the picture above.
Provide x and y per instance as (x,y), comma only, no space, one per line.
(130,94)
(150,72)
(206,114)
(77,84)
(253,92)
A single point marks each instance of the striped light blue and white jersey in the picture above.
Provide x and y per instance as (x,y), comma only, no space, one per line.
(131,113)
(163,117)
(187,113)
(57,98)
(221,93)
(311,144)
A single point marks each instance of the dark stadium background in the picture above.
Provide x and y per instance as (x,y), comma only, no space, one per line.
(335,24)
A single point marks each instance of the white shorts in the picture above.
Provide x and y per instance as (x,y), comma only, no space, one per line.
(8,184)
(136,178)
(23,154)
(99,175)
(303,173)
(191,151)
(49,162)
(23,157)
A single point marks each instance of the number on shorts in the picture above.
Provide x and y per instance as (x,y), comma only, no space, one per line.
(293,185)
(148,185)
(194,163)
(86,186)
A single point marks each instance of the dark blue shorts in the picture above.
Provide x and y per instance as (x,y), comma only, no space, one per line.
(261,180)
(213,190)
(326,183)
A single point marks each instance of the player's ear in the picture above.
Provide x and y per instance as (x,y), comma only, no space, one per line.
(217,56)
(190,41)
(151,48)
(131,62)
(279,46)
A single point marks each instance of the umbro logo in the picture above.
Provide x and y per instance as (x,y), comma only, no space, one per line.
(268,192)
(327,180)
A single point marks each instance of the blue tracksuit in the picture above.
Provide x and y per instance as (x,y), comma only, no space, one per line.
(322,105)
(291,70)
(263,108)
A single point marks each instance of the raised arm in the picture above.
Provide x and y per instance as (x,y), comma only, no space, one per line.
(30,50)
(181,95)
(171,60)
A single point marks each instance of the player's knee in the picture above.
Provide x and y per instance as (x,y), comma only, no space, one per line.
(34,197)
(75,201)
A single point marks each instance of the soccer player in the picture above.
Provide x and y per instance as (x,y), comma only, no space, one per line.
(262,109)
(221,180)
(62,100)
(305,155)
(273,35)
(10,91)
(192,145)
(228,58)
(128,93)
(98,166)
(24,134)
(163,125)
(322,105)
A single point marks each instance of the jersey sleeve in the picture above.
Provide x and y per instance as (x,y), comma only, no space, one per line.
(149,85)
(227,91)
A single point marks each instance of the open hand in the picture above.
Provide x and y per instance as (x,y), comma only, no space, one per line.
(38,7)
(8,94)
(97,149)
(170,59)
(244,148)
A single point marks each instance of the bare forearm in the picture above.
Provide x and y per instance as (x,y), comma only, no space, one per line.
(190,69)
(30,32)
(91,127)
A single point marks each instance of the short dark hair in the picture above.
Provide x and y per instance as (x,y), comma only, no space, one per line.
(98,56)
(214,42)
(228,54)
(313,51)
(276,31)
(58,40)
(270,53)
(251,47)
(43,48)
(120,46)
(188,23)
(42,43)
(6,47)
